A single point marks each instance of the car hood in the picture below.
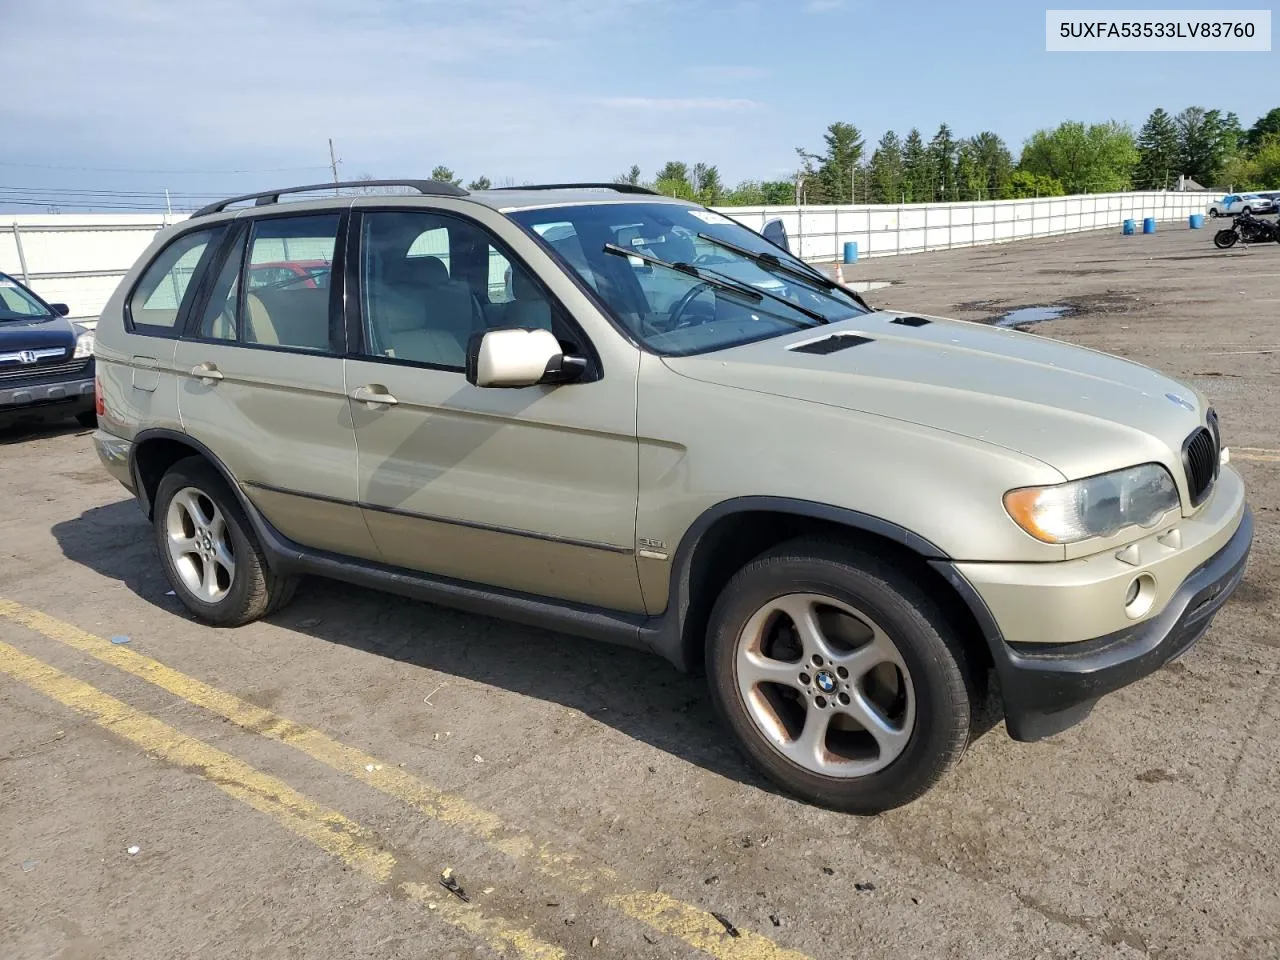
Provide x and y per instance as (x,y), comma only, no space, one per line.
(37,333)
(1078,410)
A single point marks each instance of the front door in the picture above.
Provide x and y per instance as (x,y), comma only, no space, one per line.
(530,489)
(262,380)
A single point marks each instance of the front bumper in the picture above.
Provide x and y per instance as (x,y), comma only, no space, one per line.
(1048,687)
(42,401)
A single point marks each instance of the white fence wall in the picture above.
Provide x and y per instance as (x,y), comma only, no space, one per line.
(78,259)
(819,233)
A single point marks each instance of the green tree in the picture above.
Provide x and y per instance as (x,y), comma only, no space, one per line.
(1023,183)
(886,170)
(917,169)
(838,164)
(942,153)
(970,181)
(1267,125)
(1098,158)
(480,183)
(632,176)
(778,192)
(1203,144)
(674,170)
(994,163)
(445,175)
(706,182)
(746,194)
(1159,152)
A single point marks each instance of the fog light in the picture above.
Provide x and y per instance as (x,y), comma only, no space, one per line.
(1140,596)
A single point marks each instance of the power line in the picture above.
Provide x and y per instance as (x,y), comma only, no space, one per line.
(51,166)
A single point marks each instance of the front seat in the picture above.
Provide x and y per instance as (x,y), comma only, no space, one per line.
(450,315)
(528,307)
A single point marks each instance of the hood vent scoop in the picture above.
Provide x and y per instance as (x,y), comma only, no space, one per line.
(911,321)
(837,341)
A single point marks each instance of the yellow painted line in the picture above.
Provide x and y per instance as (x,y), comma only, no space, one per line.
(327,829)
(660,912)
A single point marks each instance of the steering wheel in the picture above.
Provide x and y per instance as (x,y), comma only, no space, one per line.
(675,316)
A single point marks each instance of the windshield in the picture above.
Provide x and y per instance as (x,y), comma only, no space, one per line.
(677,312)
(17,304)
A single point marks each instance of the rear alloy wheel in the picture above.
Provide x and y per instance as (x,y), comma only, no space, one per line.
(843,682)
(208,550)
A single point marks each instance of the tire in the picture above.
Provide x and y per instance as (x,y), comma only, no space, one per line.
(88,419)
(928,716)
(242,587)
(1224,239)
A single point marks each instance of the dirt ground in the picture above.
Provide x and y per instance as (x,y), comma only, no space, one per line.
(295,788)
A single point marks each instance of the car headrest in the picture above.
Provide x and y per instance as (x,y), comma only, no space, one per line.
(428,271)
(523,287)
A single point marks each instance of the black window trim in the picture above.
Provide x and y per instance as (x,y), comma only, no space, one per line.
(242,237)
(198,273)
(355,298)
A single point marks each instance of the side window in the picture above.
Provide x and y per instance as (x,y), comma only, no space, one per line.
(429,282)
(158,297)
(219,319)
(286,302)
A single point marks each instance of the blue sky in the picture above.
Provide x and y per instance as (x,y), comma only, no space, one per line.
(235,95)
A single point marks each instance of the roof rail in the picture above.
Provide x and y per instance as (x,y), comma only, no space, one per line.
(435,187)
(619,187)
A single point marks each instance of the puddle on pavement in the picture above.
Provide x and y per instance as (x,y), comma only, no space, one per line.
(1023,315)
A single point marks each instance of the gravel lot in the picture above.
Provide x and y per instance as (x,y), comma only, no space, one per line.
(583,795)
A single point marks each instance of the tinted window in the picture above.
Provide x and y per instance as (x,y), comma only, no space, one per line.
(164,285)
(287,300)
(429,282)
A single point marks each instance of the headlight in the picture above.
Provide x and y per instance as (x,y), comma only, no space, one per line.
(1095,506)
(84,346)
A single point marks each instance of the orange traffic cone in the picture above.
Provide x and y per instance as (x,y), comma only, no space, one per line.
(839,274)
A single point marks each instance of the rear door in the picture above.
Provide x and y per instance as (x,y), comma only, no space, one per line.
(262,377)
(531,489)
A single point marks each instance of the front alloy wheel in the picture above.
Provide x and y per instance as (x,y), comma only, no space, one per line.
(840,677)
(825,685)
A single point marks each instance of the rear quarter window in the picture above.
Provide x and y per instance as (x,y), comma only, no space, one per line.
(168,282)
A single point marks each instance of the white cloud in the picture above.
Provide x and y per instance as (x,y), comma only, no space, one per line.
(823,6)
(503,87)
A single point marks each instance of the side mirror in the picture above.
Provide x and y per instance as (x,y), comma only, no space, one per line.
(517,357)
(776,233)
(61,309)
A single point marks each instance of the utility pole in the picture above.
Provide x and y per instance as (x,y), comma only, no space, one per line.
(167,206)
(333,165)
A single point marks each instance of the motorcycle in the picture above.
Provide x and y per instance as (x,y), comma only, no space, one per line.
(1246,228)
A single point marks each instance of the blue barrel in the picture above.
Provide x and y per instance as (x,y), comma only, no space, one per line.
(1128,228)
(851,252)
(1149,225)
(1197,221)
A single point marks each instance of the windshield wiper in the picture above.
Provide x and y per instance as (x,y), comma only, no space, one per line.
(714,278)
(771,262)
(727,284)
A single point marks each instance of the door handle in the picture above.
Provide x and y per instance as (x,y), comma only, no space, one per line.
(374,395)
(207,372)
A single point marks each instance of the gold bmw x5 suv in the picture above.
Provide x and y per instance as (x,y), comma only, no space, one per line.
(624,416)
